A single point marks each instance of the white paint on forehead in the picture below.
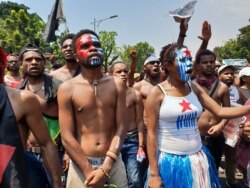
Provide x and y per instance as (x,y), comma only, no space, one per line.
(87,37)
(94,38)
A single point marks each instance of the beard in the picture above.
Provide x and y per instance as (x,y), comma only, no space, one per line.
(93,62)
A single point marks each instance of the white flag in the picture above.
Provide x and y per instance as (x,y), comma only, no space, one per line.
(185,12)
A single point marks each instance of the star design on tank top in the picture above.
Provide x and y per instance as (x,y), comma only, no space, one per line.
(185,105)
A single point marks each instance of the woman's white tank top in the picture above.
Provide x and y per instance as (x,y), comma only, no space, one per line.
(177,126)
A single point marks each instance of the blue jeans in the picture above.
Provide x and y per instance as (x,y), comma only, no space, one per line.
(38,177)
(133,167)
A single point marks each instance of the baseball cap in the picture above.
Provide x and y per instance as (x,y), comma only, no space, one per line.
(151,58)
(244,72)
(221,68)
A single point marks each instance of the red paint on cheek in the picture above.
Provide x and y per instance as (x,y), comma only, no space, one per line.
(85,40)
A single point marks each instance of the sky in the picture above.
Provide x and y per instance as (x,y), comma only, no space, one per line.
(148,20)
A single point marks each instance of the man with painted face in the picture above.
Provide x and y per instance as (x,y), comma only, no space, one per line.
(209,124)
(71,68)
(13,78)
(92,108)
(21,109)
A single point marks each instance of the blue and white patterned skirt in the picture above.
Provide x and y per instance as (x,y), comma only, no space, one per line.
(188,171)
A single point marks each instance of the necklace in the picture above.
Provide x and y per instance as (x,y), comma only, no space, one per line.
(94,83)
(36,90)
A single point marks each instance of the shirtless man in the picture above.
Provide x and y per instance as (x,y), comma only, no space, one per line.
(45,87)
(71,68)
(13,78)
(209,125)
(152,74)
(25,110)
(133,146)
(92,108)
(152,77)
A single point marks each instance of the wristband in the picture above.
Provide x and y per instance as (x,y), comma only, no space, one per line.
(112,155)
(182,35)
(105,172)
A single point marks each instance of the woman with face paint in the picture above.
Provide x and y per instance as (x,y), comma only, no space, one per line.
(175,152)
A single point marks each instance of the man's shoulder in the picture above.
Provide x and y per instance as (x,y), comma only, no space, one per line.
(68,84)
(58,72)
(223,86)
(20,97)
(138,85)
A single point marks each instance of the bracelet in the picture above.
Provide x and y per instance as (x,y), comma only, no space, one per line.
(182,35)
(141,146)
(105,172)
(112,155)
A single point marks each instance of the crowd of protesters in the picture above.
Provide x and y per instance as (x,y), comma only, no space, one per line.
(78,126)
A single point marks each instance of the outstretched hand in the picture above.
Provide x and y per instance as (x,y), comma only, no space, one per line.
(206,31)
(215,130)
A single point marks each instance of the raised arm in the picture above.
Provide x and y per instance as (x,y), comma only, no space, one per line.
(182,34)
(131,72)
(206,34)
(36,124)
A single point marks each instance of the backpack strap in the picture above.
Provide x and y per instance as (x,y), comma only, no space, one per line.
(214,88)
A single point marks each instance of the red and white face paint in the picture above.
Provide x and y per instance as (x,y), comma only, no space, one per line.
(89,51)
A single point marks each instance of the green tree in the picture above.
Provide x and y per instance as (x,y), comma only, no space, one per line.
(17,27)
(236,48)
(110,49)
(6,7)
(143,50)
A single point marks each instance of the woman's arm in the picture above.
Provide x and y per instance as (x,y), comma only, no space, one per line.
(152,106)
(212,106)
